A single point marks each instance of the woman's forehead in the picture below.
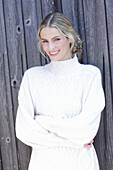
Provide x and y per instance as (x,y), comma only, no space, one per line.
(50,32)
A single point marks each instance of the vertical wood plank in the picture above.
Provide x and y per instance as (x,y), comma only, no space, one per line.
(108,91)
(0,159)
(109,20)
(58,6)
(74,11)
(98,54)
(30,26)
(79,13)
(90,27)
(39,17)
(48,6)
(15,46)
(15,65)
(7,137)
(68,10)
(7,140)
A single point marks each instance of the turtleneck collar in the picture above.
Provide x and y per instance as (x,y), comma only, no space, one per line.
(64,66)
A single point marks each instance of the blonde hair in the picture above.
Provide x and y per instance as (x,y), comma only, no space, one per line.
(63,24)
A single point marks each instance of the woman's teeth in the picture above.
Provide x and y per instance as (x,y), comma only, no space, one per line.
(54,52)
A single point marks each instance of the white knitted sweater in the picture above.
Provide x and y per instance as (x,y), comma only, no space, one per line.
(69,98)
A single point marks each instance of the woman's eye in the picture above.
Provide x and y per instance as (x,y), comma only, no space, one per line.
(44,41)
(57,39)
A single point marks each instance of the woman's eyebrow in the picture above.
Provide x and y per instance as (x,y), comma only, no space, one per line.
(56,37)
(52,38)
(43,39)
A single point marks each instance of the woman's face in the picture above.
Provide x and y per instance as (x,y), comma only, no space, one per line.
(55,44)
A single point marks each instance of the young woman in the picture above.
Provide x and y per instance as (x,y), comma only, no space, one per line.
(60,103)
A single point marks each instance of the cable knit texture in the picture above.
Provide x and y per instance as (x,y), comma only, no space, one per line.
(68,98)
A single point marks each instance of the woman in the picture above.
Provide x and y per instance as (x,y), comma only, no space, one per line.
(60,103)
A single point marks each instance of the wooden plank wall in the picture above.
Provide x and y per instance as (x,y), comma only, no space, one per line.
(19,21)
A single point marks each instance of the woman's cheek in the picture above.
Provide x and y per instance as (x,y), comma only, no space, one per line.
(44,47)
(62,44)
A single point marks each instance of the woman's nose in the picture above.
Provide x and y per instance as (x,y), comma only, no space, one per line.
(51,46)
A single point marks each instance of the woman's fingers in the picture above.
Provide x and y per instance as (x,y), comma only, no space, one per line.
(35,115)
(88,145)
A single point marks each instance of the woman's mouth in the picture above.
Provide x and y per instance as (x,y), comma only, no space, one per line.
(53,53)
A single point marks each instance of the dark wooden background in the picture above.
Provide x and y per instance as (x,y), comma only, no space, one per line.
(19,21)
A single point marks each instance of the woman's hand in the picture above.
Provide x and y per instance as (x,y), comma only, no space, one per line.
(35,115)
(88,145)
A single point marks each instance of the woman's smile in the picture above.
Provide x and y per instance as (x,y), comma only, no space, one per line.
(54,53)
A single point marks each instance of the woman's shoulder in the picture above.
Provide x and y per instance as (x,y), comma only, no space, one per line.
(89,70)
(89,73)
(37,70)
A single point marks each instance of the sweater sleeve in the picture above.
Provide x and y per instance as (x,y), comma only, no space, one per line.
(28,130)
(83,127)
